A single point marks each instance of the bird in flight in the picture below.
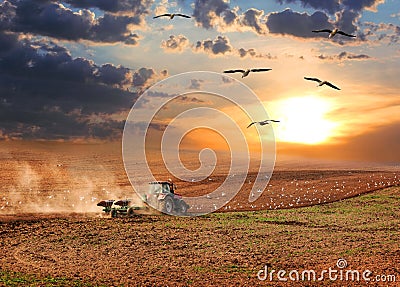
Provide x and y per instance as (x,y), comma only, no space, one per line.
(263,123)
(333,32)
(320,83)
(245,73)
(171,15)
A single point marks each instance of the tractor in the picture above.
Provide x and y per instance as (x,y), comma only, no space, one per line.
(162,197)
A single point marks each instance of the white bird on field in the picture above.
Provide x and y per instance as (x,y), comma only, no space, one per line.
(263,123)
(245,73)
(333,32)
(171,15)
(322,82)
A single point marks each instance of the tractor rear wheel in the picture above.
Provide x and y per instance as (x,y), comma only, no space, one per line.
(169,205)
(183,208)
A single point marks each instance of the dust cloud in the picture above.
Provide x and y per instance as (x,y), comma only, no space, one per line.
(60,179)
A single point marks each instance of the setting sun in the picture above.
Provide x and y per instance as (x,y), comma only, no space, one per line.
(303,120)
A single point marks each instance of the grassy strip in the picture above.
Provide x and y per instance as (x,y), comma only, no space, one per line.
(17,279)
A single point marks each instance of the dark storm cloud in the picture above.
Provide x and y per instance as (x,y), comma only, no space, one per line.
(382,32)
(205,10)
(220,45)
(45,59)
(251,18)
(394,38)
(333,6)
(229,17)
(346,12)
(302,24)
(195,84)
(157,94)
(189,100)
(345,56)
(330,6)
(112,28)
(142,76)
(7,14)
(135,7)
(243,53)
(110,129)
(346,21)
(56,109)
(209,13)
(217,13)
(227,80)
(46,93)
(158,126)
(54,124)
(114,76)
(175,43)
(53,19)
(297,24)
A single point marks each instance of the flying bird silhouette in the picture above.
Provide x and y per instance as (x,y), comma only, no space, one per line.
(245,73)
(320,83)
(333,32)
(263,123)
(171,15)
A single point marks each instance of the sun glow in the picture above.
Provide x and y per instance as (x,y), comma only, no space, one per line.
(303,119)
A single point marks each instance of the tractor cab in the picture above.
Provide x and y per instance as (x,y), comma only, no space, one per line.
(158,187)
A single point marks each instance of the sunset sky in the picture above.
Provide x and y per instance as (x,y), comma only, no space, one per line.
(71,70)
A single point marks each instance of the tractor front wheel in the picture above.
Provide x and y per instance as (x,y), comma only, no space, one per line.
(130,212)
